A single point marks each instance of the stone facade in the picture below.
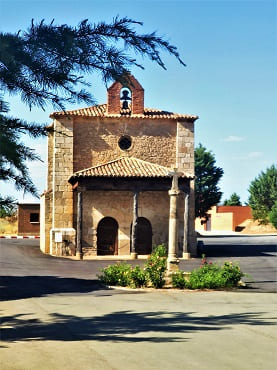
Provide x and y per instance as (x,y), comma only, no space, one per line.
(89,137)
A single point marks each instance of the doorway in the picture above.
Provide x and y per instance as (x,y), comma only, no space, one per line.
(144,236)
(107,237)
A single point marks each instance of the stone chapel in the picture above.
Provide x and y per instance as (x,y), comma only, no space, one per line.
(109,174)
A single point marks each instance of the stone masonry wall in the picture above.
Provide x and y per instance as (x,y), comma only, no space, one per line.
(152,205)
(46,205)
(50,145)
(185,160)
(45,221)
(96,141)
(84,142)
(99,204)
(62,169)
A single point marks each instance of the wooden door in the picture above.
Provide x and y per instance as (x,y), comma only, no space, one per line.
(144,236)
(107,232)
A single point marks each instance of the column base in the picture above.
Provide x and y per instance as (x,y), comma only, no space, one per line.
(172,266)
(79,255)
(134,255)
(186,255)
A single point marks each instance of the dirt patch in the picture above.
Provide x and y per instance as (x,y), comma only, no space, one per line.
(253,227)
(8,226)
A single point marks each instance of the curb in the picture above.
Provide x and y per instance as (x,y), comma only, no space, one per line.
(19,236)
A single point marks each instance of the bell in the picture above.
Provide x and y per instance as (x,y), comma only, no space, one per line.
(125,95)
(125,104)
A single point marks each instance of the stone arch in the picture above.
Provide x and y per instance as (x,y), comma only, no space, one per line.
(107,236)
(126,97)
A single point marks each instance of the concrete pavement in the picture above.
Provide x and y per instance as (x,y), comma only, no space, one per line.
(55,315)
(119,329)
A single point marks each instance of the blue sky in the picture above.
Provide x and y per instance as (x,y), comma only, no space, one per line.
(230,79)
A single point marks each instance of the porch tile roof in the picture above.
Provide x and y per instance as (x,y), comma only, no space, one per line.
(101,111)
(126,167)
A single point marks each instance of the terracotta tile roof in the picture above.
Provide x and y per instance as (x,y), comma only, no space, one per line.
(101,111)
(126,167)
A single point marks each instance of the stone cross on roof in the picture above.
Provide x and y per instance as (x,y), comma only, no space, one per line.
(175,174)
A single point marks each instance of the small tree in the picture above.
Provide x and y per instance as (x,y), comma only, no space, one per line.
(207,193)
(263,195)
(234,200)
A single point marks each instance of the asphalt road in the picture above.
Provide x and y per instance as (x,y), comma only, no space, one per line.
(21,261)
(56,316)
(256,256)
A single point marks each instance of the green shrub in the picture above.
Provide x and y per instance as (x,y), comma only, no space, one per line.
(138,277)
(231,274)
(160,250)
(179,280)
(206,277)
(209,276)
(155,267)
(122,274)
(118,274)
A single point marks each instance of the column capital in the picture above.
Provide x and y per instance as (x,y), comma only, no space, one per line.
(173,192)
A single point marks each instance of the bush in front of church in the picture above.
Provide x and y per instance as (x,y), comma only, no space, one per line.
(122,274)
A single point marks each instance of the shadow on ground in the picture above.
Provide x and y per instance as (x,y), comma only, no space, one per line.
(236,250)
(21,287)
(122,326)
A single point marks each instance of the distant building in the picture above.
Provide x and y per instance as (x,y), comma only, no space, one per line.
(225,218)
(109,168)
(28,219)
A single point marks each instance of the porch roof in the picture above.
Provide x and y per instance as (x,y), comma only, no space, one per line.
(126,167)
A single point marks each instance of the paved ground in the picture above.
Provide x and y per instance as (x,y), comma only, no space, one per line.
(55,315)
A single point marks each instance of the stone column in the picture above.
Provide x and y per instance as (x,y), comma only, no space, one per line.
(134,226)
(172,261)
(186,254)
(79,251)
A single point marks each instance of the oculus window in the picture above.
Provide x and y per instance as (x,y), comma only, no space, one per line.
(125,142)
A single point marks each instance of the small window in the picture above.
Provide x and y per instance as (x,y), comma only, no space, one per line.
(125,142)
(34,217)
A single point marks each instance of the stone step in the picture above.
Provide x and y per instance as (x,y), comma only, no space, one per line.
(89,251)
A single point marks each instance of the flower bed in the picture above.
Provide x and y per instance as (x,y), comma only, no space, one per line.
(208,276)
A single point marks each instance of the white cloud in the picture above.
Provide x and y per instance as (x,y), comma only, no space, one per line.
(254,155)
(232,139)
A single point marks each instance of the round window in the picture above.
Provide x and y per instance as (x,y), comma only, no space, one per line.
(125,142)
